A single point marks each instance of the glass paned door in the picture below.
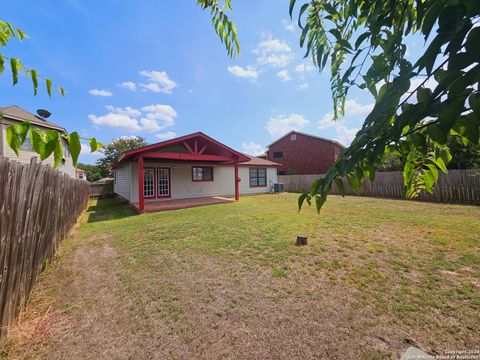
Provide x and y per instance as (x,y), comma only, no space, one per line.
(163,182)
(148,183)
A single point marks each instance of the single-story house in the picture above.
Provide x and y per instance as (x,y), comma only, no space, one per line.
(188,169)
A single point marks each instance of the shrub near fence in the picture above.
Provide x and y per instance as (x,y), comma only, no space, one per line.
(458,186)
(38,207)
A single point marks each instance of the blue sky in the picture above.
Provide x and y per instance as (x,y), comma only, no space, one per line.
(157,69)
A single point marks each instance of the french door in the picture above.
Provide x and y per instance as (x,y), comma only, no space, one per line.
(163,182)
(149,183)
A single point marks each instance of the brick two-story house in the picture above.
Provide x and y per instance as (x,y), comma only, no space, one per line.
(303,154)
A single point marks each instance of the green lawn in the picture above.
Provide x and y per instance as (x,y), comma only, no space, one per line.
(227,281)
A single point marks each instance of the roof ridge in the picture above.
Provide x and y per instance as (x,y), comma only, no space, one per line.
(306,134)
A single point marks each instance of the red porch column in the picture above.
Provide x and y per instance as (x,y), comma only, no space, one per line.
(141,199)
(237,195)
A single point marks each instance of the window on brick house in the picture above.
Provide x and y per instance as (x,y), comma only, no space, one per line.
(293,137)
(278,154)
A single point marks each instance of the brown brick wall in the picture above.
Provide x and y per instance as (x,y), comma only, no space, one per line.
(305,155)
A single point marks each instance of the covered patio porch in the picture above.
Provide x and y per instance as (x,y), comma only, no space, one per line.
(154,206)
(179,173)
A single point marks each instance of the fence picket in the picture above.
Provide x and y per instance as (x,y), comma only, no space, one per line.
(458,186)
(38,207)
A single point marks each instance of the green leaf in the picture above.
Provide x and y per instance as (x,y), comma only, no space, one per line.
(468,127)
(314,186)
(474,102)
(437,134)
(2,64)
(354,182)
(61,90)
(33,73)
(94,146)
(14,67)
(301,200)
(48,83)
(37,137)
(16,135)
(361,39)
(302,10)
(472,44)
(340,187)
(20,34)
(291,6)
(51,141)
(74,146)
(424,94)
(58,152)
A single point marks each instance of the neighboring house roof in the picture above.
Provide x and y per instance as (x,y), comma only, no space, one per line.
(15,112)
(304,134)
(256,161)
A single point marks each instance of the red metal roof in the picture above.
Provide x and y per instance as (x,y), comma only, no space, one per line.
(218,149)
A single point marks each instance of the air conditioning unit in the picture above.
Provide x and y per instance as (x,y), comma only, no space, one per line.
(278,188)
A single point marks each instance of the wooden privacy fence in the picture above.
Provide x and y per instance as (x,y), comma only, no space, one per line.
(38,207)
(101,188)
(458,186)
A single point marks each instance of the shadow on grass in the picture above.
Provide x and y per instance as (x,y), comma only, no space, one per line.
(109,209)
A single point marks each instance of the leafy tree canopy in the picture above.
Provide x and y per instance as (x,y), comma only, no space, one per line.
(362,44)
(113,150)
(93,172)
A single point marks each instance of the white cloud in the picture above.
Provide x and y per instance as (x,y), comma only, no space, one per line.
(124,111)
(253,149)
(100,92)
(283,75)
(158,81)
(303,87)
(353,110)
(166,135)
(129,85)
(282,124)
(150,118)
(304,68)
(247,73)
(288,25)
(273,52)
(161,112)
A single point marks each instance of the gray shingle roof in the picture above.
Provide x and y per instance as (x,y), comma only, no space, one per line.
(15,112)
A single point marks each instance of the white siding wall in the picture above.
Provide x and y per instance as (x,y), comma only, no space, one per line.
(244,175)
(182,186)
(121,185)
(25,155)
